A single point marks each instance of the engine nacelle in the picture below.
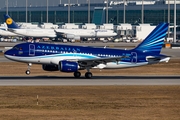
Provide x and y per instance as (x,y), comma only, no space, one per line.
(50,67)
(68,66)
(71,36)
(77,37)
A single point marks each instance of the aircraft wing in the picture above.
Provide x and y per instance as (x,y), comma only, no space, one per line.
(62,34)
(96,61)
(11,30)
(59,33)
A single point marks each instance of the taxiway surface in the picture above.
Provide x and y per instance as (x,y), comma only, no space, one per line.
(97,80)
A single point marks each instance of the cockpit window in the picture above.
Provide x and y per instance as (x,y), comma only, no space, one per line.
(17,48)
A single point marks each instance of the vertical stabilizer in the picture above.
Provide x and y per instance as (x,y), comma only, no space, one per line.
(154,41)
(10,23)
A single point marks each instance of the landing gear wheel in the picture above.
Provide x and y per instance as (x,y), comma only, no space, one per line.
(28,69)
(28,72)
(77,74)
(88,75)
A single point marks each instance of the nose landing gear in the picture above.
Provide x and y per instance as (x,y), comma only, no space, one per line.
(28,72)
(28,69)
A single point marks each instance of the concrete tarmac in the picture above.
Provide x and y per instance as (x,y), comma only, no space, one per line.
(96,80)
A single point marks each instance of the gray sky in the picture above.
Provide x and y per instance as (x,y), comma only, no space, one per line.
(21,3)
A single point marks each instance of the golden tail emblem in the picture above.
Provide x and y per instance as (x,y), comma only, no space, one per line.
(9,21)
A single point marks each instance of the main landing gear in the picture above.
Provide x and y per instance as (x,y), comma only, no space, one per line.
(87,74)
(77,74)
(28,69)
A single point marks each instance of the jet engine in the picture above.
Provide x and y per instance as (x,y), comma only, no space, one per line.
(50,67)
(68,66)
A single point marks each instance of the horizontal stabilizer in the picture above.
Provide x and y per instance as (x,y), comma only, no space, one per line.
(156,59)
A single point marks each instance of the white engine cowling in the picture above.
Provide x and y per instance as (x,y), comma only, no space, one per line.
(77,37)
(71,36)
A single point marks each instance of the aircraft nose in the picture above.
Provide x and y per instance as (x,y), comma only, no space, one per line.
(8,53)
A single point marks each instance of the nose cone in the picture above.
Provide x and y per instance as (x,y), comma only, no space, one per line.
(8,53)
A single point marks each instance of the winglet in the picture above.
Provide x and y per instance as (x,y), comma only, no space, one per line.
(10,23)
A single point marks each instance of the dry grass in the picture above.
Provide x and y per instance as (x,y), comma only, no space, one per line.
(171,68)
(90,102)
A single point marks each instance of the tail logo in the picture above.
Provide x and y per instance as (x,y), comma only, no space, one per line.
(9,21)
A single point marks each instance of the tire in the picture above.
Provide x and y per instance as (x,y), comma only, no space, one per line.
(88,75)
(28,72)
(77,74)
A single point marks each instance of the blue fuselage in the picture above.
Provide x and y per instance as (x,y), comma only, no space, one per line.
(43,53)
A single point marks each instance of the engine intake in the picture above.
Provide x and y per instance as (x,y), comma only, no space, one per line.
(68,66)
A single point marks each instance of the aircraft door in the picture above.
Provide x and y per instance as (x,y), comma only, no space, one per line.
(133,57)
(31,49)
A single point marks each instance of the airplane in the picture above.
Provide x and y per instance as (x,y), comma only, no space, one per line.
(70,58)
(37,33)
(75,34)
